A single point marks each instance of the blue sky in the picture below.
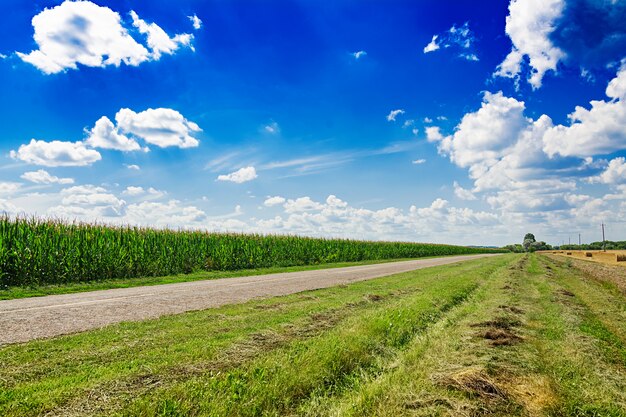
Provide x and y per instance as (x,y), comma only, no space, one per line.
(417,120)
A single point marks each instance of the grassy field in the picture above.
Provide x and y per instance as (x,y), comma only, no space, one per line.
(514,335)
(37,252)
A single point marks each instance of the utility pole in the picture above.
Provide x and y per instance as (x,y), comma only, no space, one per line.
(579,240)
(569,240)
(603,240)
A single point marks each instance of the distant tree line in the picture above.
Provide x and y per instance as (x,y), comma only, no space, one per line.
(530,244)
(610,245)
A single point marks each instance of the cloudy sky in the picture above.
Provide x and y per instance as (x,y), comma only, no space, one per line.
(423,120)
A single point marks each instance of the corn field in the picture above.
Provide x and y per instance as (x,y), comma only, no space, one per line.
(37,252)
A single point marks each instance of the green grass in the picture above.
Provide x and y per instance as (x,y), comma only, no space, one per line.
(36,252)
(69,288)
(514,335)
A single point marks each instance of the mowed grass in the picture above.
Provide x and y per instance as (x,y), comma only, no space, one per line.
(511,335)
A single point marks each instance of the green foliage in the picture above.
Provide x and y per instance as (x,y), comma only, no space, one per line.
(36,252)
(610,245)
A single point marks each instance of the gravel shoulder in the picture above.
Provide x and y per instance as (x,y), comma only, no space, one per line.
(26,319)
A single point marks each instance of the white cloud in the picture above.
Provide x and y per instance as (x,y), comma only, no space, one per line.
(529,25)
(418,161)
(56,153)
(131,190)
(240,176)
(105,135)
(428,120)
(158,41)
(614,173)
(462,193)
(274,201)
(135,191)
(470,57)
(9,187)
(3,56)
(133,167)
(161,127)
(459,38)
(415,131)
(272,128)
(195,21)
(301,204)
(391,117)
(432,45)
(408,123)
(358,54)
(433,134)
(483,136)
(597,131)
(81,32)
(43,177)
(84,189)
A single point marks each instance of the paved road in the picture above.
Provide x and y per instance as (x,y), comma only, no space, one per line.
(41,317)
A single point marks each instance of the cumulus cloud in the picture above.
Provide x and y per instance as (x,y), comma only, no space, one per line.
(9,187)
(596,131)
(44,177)
(81,32)
(433,134)
(391,117)
(358,54)
(240,176)
(614,173)
(273,201)
(418,161)
(105,135)
(486,133)
(195,21)
(161,127)
(56,153)
(460,39)
(462,193)
(133,167)
(158,41)
(529,25)
(135,191)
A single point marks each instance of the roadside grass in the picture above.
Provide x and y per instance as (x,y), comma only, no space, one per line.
(11,293)
(135,366)
(514,335)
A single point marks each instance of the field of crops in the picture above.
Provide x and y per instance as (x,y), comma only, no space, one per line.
(38,252)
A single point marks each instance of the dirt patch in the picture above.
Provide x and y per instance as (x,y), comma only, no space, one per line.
(501,337)
(512,309)
(473,381)
(500,331)
(374,297)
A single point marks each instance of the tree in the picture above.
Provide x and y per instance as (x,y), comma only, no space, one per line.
(529,239)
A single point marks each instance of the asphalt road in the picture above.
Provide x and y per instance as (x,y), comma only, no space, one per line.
(42,317)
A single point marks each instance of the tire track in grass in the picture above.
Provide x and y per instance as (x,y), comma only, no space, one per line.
(555,367)
(451,369)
